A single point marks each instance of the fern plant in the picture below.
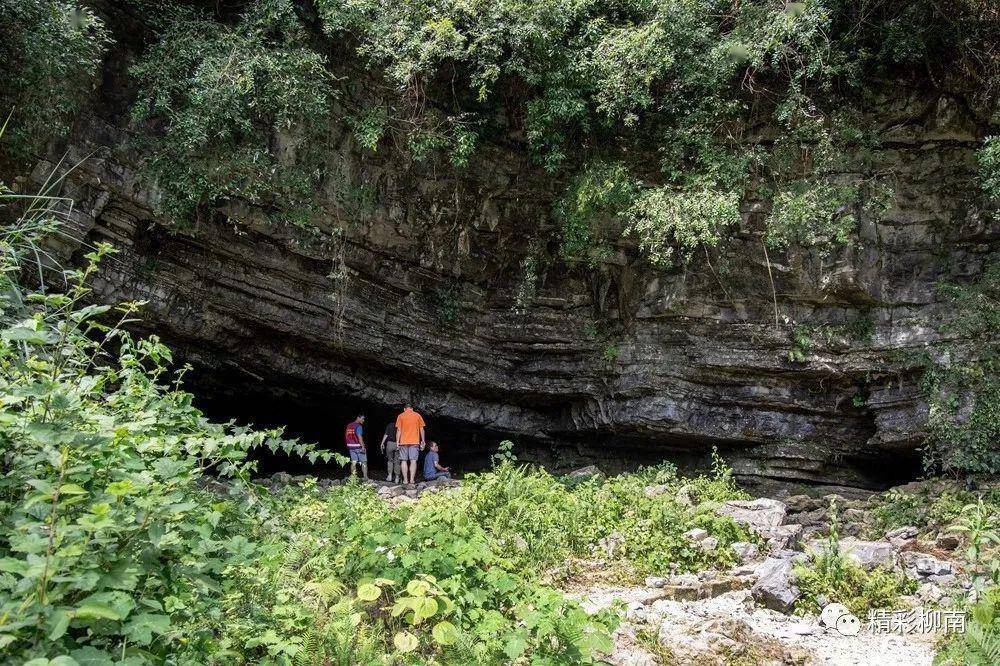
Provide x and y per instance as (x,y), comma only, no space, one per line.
(980,644)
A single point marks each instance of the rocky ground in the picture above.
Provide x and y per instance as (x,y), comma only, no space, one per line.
(394,493)
(744,615)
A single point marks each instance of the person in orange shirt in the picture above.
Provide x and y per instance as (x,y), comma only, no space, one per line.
(410,436)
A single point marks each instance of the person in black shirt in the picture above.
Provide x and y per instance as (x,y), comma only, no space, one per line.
(391,450)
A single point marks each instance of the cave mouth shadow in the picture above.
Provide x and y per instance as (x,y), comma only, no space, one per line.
(320,416)
(320,419)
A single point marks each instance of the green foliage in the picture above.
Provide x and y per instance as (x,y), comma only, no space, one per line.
(424,579)
(542,522)
(664,219)
(989,167)
(109,545)
(235,112)
(811,213)
(964,394)
(51,52)
(113,547)
(979,645)
(600,193)
(802,341)
(981,525)
(934,508)
(831,574)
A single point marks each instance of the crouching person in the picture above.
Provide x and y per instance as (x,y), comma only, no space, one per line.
(432,465)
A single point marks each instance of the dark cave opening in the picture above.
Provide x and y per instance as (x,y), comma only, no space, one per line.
(319,416)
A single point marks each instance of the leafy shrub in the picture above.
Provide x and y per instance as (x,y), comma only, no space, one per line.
(836,577)
(540,521)
(666,220)
(989,167)
(51,52)
(979,645)
(934,508)
(236,111)
(598,194)
(109,545)
(964,393)
(421,580)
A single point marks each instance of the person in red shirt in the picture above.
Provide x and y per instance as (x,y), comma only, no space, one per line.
(354,439)
(410,436)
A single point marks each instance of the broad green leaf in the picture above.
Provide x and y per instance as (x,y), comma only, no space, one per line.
(405,641)
(425,608)
(417,588)
(57,624)
(516,644)
(142,627)
(91,656)
(367,592)
(63,660)
(96,612)
(445,633)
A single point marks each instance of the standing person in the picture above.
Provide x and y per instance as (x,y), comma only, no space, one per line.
(390,448)
(355,440)
(410,426)
(432,465)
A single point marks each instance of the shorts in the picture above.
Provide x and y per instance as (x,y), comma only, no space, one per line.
(409,451)
(358,455)
(392,451)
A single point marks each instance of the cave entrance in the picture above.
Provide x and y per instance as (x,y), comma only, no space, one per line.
(320,418)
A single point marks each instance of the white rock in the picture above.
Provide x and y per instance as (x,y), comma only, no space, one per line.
(695,534)
(745,551)
(774,588)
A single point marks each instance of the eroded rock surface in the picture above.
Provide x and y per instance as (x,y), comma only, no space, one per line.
(445,287)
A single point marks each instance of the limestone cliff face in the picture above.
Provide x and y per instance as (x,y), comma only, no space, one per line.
(444,286)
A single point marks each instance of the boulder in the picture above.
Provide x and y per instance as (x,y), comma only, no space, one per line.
(869,554)
(921,565)
(279,479)
(782,537)
(745,551)
(586,472)
(814,518)
(611,544)
(695,534)
(929,593)
(759,514)
(901,535)
(656,491)
(686,495)
(774,588)
(708,544)
(801,503)
(948,541)
(931,566)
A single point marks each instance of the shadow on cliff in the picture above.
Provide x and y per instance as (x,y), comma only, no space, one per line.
(318,415)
